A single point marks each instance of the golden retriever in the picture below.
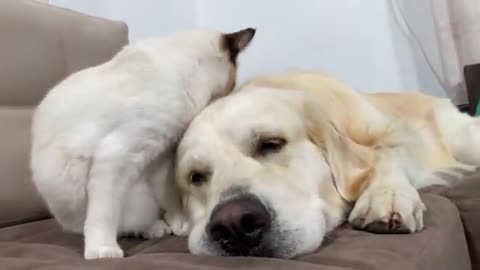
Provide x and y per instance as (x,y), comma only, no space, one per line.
(272,168)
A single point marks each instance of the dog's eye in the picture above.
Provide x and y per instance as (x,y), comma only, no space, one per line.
(197,178)
(269,146)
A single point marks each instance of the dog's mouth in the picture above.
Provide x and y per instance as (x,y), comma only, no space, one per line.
(262,249)
(256,225)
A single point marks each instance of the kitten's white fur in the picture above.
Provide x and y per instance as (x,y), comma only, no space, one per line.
(103,138)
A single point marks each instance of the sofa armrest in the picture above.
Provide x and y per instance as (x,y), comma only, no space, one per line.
(40,45)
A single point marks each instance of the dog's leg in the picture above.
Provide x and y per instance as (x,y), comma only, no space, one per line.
(466,144)
(460,131)
(390,204)
(117,164)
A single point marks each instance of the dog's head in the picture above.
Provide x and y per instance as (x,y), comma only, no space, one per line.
(209,58)
(256,175)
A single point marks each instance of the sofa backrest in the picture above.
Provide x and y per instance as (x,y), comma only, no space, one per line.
(40,45)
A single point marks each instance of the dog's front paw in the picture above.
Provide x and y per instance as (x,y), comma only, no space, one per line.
(157,230)
(99,252)
(177,223)
(388,210)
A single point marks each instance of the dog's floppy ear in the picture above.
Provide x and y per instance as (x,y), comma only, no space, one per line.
(236,42)
(352,164)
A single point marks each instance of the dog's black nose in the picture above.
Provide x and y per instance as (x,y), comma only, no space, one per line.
(238,225)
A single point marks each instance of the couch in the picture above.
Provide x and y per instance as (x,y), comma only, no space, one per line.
(41,44)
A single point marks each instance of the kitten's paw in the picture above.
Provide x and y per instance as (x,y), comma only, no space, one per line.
(178,224)
(157,230)
(99,252)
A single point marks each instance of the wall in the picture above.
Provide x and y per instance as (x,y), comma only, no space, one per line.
(356,40)
(145,18)
(419,15)
(351,38)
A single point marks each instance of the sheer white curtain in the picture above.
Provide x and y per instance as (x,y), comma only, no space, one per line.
(458,29)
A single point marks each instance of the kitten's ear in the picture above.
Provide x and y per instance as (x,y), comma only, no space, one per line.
(236,42)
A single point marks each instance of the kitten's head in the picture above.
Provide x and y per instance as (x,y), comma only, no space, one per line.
(214,55)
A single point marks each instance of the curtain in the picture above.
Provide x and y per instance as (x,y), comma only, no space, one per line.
(457,24)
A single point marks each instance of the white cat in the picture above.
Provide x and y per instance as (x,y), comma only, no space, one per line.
(103,139)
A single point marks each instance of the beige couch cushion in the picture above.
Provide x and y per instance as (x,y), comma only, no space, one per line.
(18,200)
(40,45)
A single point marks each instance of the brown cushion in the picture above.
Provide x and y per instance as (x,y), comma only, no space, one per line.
(441,245)
(41,44)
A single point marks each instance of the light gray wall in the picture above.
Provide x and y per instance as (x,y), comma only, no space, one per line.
(356,40)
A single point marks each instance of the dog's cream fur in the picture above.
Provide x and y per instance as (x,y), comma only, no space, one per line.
(103,139)
(373,150)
